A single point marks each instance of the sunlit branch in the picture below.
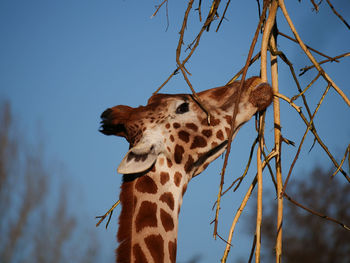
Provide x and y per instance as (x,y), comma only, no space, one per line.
(309,55)
(109,212)
(250,53)
(305,69)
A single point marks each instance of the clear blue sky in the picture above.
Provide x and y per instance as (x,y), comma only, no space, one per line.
(63,62)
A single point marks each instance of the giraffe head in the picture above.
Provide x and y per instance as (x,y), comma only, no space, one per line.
(176,127)
(170,142)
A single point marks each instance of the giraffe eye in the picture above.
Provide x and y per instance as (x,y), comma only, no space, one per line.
(182,108)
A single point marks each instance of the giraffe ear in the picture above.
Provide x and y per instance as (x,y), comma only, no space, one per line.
(138,159)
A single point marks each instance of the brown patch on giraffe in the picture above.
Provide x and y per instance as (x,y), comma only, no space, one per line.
(172,138)
(147,216)
(145,184)
(168,198)
(179,151)
(214,144)
(184,136)
(228,119)
(189,164)
(220,135)
(198,142)
(204,122)
(167,125)
(207,133)
(164,177)
(177,178)
(172,251)
(176,125)
(218,93)
(138,254)
(155,245)
(192,126)
(169,162)
(214,122)
(167,220)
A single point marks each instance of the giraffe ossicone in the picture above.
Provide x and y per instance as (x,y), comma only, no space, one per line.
(170,143)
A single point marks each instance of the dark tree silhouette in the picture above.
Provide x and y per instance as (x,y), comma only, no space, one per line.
(307,237)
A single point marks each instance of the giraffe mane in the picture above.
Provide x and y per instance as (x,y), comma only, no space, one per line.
(127,199)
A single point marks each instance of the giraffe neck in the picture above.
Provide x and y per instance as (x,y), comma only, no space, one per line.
(148,221)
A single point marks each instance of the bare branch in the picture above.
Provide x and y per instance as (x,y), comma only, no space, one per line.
(235,114)
(305,69)
(337,14)
(316,213)
(307,52)
(109,212)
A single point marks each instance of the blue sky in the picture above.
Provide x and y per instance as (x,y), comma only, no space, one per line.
(63,62)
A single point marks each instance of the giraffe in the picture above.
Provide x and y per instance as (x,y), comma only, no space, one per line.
(170,143)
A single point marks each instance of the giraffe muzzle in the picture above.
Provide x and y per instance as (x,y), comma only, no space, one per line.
(261,96)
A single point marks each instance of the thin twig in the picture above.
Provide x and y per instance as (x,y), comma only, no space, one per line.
(309,55)
(347,151)
(281,96)
(110,211)
(223,15)
(315,5)
(260,190)
(235,220)
(313,129)
(196,43)
(242,206)
(181,65)
(158,7)
(316,213)
(303,139)
(199,10)
(305,69)
(247,166)
(251,62)
(338,15)
(312,49)
(252,250)
(314,133)
(307,87)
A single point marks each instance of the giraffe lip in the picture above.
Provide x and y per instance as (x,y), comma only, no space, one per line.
(210,153)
